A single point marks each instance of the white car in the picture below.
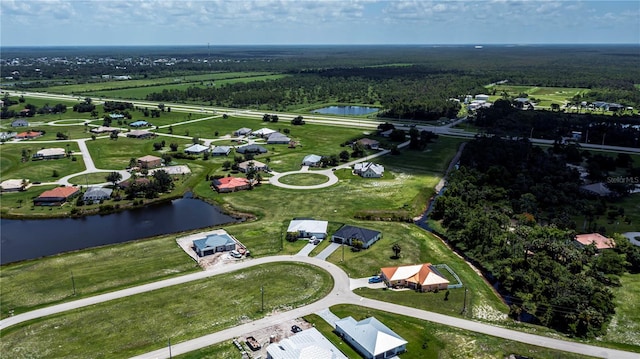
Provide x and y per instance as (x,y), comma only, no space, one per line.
(235,254)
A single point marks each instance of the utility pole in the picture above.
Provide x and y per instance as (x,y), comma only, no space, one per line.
(170,348)
(342,251)
(464,309)
(262,295)
(73,283)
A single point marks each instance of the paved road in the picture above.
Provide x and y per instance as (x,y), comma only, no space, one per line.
(341,294)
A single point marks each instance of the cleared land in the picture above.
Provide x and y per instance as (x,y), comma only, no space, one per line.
(147,321)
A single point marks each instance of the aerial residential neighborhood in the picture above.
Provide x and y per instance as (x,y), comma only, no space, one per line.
(326,180)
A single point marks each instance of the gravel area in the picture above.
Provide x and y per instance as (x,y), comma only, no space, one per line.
(213,260)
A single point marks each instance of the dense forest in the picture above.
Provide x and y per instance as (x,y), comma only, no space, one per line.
(509,207)
(410,82)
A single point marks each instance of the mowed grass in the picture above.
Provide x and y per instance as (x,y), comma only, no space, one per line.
(304,179)
(37,171)
(116,154)
(545,95)
(430,340)
(144,322)
(625,325)
(136,83)
(35,283)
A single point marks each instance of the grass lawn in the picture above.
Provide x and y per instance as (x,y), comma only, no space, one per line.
(37,171)
(431,340)
(120,266)
(147,321)
(304,179)
(110,154)
(625,325)
(90,178)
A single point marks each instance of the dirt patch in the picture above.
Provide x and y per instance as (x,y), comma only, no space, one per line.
(269,336)
(213,260)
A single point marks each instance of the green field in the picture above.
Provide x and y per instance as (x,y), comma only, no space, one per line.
(146,321)
(545,95)
(304,179)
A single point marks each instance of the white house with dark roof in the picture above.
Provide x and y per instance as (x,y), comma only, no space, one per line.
(368,170)
(50,153)
(347,234)
(308,228)
(307,344)
(371,338)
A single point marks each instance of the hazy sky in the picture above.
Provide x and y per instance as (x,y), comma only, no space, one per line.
(250,22)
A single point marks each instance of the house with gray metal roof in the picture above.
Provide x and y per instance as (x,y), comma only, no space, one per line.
(348,234)
(213,243)
(196,149)
(371,338)
(251,149)
(311,160)
(96,194)
(221,151)
(278,138)
(309,343)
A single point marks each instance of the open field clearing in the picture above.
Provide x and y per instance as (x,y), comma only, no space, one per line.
(146,321)
(121,84)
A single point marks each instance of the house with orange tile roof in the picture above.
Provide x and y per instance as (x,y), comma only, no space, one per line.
(230,184)
(601,242)
(56,196)
(423,277)
(28,135)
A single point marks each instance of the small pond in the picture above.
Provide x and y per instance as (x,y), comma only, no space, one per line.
(346,110)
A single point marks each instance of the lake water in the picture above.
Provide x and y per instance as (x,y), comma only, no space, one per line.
(27,239)
(346,110)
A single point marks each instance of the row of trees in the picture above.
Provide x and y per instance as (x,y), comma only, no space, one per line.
(509,208)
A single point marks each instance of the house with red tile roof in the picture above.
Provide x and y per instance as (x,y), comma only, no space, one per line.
(230,184)
(56,196)
(601,242)
(423,277)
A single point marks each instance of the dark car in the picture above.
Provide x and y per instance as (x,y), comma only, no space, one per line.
(296,329)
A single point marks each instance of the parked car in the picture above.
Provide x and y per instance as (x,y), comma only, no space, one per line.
(296,329)
(235,254)
(376,279)
(316,241)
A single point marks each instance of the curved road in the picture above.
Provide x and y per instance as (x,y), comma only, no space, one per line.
(341,294)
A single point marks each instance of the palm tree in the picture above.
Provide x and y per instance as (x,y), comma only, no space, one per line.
(396,250)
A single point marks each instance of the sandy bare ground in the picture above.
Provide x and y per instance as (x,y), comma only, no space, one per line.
(270,336)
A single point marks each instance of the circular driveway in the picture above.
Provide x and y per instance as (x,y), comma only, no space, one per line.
(333,179)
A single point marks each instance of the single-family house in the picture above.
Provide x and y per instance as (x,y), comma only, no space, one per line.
(28,135)
(21,122)
(97,194)
(251,149)
(482,97)
(371,338)
(386,133)
(369,143)
(149,161)
(140,123)
(368,170)
(4,136)
(56,196)
(242,131)
(597,188)
(14,185)
(214,243)
(230,184)
(307,344)
(221,151)
(50,153)
(423,277)
(196,149)
(311,160)
(256,165)
(348,234)
(103,129)
(116,116)
(308,228)
(278,138)
(140,181)
(601,242)
(140,134)
(263,132)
